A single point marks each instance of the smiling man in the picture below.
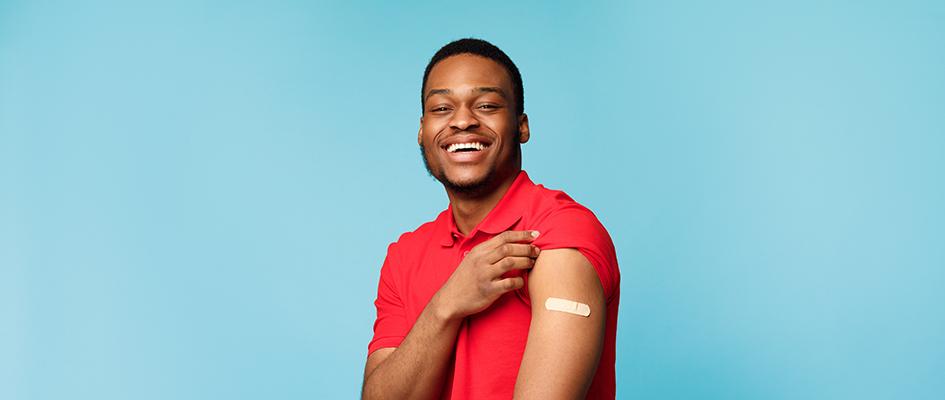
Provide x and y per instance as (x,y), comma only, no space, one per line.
(512,291)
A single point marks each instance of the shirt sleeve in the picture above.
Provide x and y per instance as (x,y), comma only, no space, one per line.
(390,327)
(576,227)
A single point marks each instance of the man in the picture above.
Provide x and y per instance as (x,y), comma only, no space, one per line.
(463,309)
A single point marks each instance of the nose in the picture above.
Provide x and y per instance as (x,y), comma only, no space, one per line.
(463,119)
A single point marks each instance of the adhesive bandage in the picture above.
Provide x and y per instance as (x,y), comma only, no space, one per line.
(568,306)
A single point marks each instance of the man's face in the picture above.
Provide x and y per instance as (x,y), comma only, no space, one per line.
(469,133)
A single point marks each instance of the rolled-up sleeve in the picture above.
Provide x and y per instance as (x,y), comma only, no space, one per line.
(390,326)
(578,228)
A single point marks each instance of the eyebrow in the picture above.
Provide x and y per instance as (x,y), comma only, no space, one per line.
(481,89)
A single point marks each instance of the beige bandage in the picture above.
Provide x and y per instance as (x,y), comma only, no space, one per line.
(568,306)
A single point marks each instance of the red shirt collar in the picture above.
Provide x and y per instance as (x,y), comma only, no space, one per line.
(505,213)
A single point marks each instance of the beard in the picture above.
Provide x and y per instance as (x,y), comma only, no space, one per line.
(480,187)
(475,188)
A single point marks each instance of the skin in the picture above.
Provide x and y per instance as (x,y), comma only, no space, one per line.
(563,350)
(471,98)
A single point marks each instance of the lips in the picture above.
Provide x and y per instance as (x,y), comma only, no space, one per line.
(466,148)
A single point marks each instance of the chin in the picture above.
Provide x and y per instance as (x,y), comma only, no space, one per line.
(466,178)
(467,181)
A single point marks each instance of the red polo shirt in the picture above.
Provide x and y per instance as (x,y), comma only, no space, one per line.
(490,344)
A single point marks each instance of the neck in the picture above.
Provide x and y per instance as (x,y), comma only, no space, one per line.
(470,210)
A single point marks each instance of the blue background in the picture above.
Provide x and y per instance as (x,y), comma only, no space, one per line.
(196,197)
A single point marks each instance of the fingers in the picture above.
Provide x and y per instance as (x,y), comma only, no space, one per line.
(508,284)
(511,237)
(507,251)
(511,250)
(509,263)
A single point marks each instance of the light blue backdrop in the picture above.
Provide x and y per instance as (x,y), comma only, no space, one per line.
(196,197)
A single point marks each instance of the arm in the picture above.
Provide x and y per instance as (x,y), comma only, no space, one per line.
(415,370)
(563,350)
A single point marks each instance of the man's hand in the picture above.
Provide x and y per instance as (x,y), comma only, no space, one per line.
(477,282)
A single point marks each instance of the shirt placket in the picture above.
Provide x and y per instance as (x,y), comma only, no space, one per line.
(463,248)
(465,244)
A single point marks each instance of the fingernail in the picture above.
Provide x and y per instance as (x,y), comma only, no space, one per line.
(534,233)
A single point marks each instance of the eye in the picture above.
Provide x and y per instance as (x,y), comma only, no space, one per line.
(439,109)
(488,107)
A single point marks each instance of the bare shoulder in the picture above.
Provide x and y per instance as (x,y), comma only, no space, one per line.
(564,271)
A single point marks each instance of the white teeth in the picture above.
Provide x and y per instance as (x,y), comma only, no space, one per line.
(458,146)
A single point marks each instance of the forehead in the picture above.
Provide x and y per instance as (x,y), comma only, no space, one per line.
(468,70)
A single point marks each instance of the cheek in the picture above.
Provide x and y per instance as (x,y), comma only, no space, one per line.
(429,134)
(429,147)
(503,127)
(429,144)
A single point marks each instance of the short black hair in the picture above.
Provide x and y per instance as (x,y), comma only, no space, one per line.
(480,48)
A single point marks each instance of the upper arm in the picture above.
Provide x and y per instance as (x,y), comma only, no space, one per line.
(563,349)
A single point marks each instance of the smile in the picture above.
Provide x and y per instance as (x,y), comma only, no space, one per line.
(466,146)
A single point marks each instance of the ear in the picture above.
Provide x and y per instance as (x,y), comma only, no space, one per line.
(523,132)
(420,133)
